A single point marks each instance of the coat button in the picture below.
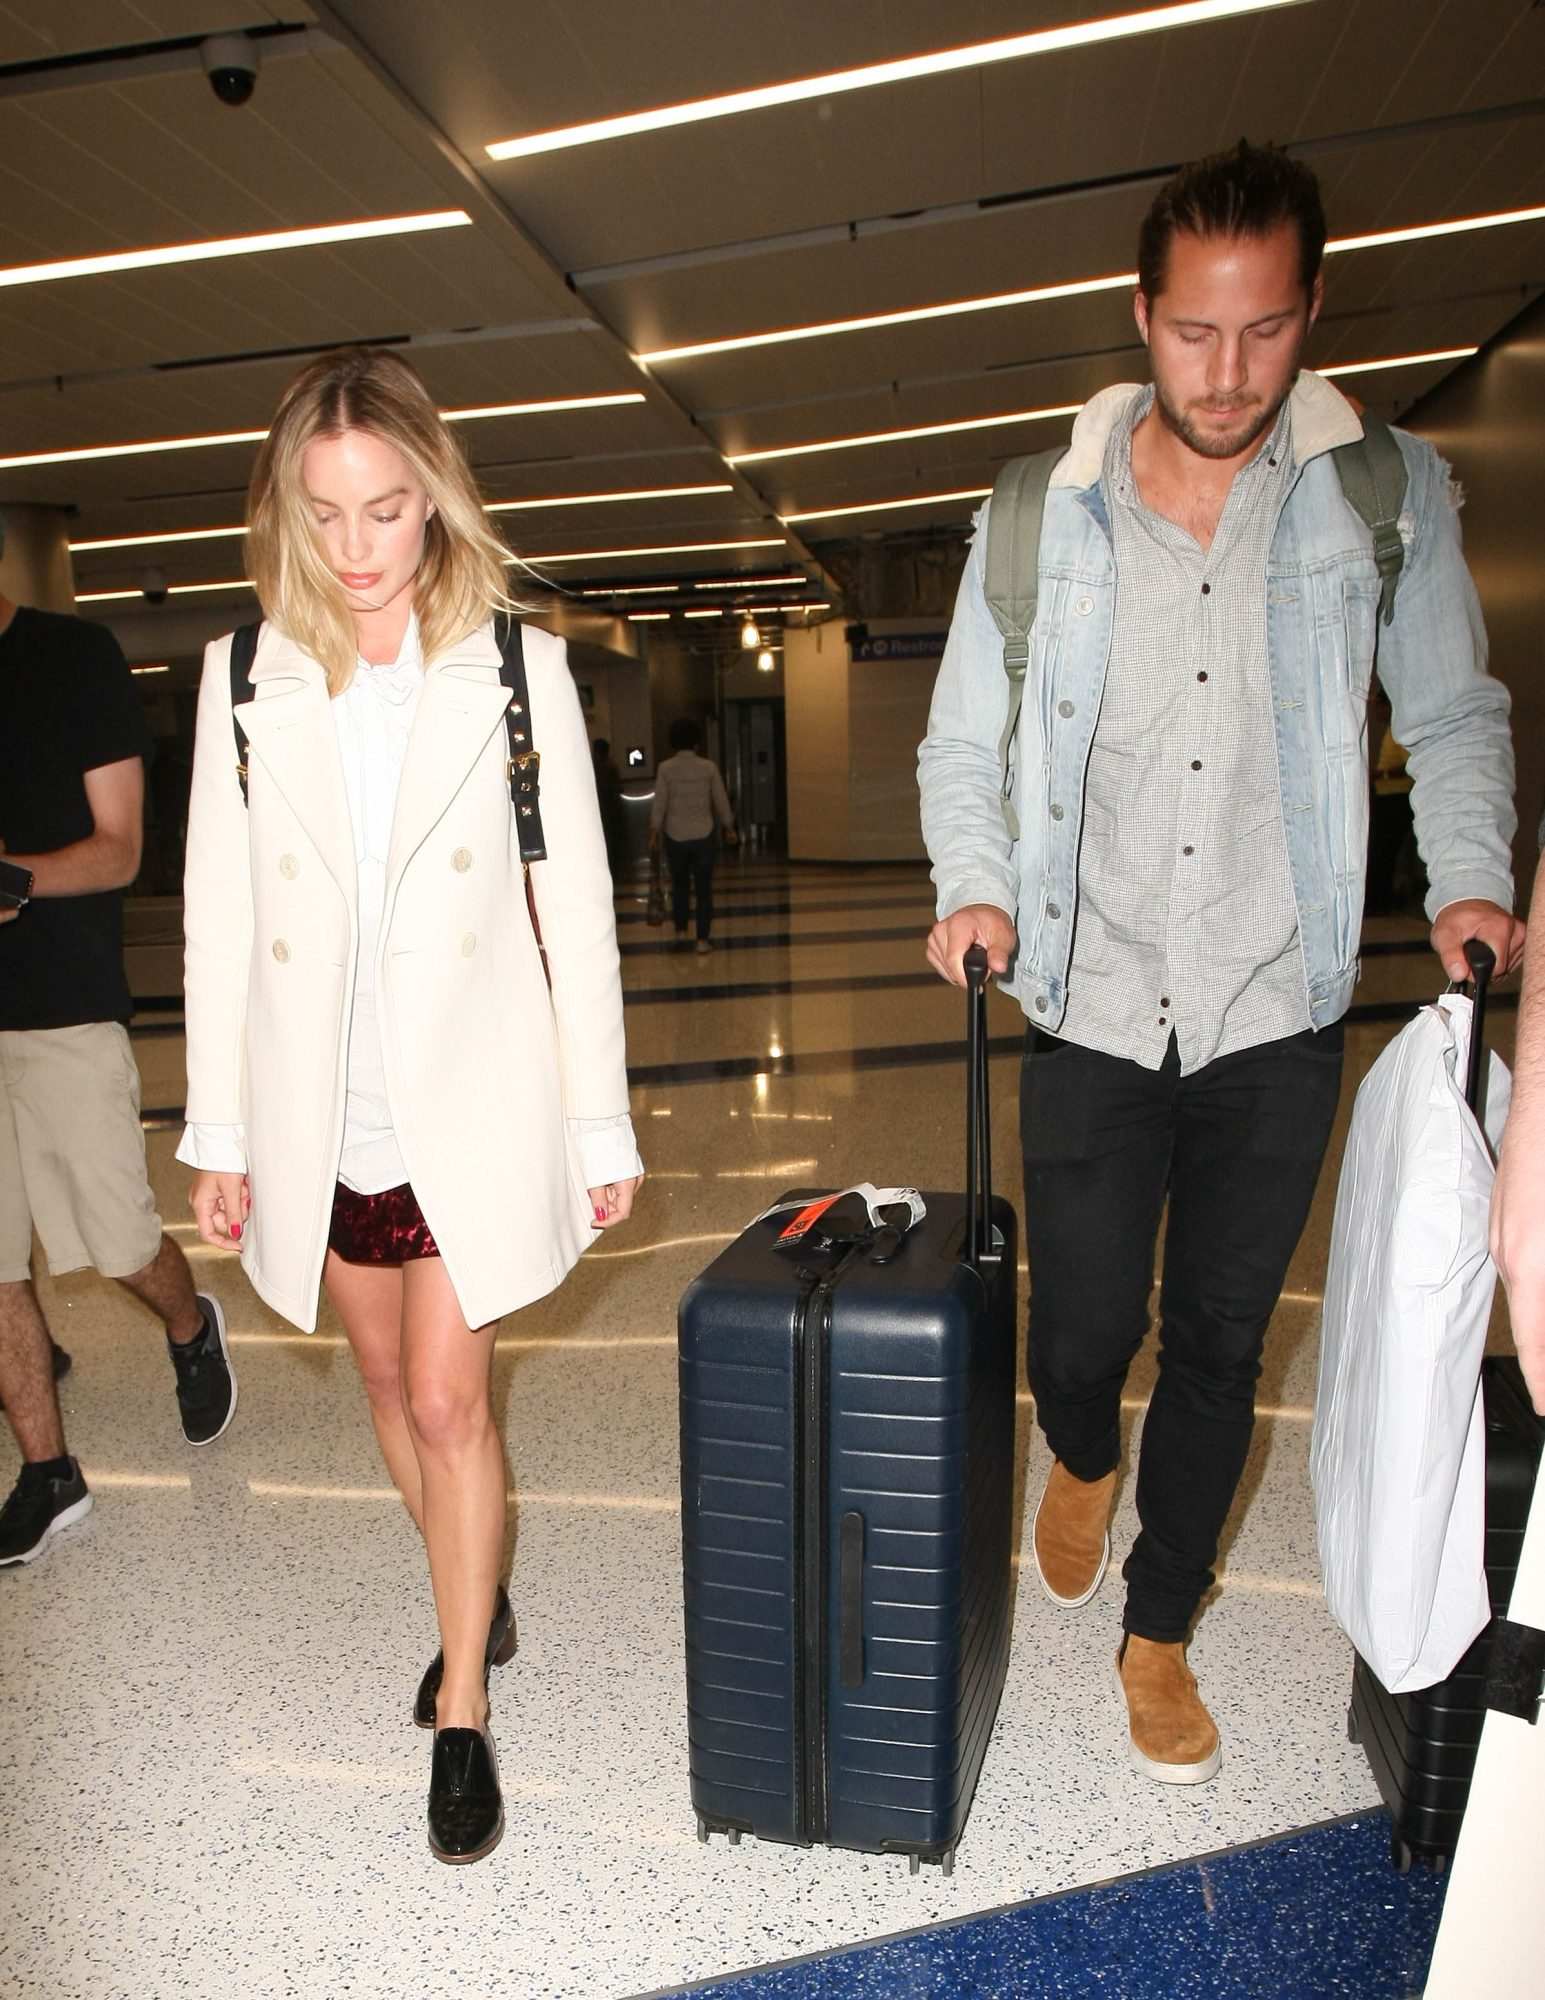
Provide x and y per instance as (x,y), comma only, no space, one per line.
(461,860)
(1064,708)
(289,867)
(469,944)
(1054,909)
(1056,812)
(281,951)
(1085,606)
(1040,1005)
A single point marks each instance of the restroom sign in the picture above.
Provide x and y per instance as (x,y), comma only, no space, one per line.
(901,646)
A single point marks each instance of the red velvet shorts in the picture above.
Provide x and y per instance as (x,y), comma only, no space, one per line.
(387,1228)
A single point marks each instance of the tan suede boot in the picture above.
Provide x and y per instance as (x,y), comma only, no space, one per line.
(1071,1535)
(1171,1736)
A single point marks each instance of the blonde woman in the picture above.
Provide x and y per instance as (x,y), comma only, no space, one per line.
(388,1096)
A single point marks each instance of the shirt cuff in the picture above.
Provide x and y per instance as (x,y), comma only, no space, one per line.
(607,1149)
(214,1149)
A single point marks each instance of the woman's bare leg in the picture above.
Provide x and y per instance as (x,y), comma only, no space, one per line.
(445,1388)
(368,1298)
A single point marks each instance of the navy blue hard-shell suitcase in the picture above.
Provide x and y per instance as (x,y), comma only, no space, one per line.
(847,1439)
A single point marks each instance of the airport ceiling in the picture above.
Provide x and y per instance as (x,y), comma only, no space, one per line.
(1018,175)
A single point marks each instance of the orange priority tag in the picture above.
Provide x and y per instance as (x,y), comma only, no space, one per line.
(800,1227)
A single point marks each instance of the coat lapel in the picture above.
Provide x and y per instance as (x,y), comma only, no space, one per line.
(290,729)
(461,707)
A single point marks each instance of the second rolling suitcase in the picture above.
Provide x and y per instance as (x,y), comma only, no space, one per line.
(847,1433)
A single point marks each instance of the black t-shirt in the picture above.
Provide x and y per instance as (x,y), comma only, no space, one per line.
(67,706)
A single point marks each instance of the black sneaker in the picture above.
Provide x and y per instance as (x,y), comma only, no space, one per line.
(206,1384)
(41,1503)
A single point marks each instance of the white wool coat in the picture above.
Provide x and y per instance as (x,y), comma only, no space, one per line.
(485,1062)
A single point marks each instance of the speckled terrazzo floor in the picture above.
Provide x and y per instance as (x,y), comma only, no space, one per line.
(209,1783)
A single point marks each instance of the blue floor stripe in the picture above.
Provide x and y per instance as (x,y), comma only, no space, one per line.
(1318,1915)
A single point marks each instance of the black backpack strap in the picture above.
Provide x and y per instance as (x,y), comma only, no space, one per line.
(244,641)
(525,763)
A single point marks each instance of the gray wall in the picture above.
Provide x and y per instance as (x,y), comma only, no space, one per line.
(1488,420)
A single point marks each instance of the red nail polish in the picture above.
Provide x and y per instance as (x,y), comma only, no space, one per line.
(235,1232)
(600,1215)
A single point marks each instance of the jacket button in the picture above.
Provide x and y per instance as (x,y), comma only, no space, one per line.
(281,951)
(1040,1005)
(1056,812)
(1085,606)
(469,944)
(1054,909)
(461,860)
(1064,708)
(289,867)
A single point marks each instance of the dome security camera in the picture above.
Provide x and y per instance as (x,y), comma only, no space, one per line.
(152,583)
(231,64)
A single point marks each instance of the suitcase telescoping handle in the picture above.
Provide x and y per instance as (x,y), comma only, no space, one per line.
(1482,961)
(978,1125)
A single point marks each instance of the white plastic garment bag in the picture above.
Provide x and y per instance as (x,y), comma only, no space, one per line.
(1397,1460)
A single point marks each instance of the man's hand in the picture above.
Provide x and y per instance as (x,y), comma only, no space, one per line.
(978,923)
(221,1203)
(1518,1242)
(612,1203)
(1477,919)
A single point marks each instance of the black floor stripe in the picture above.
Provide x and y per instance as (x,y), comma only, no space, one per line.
(838,1062)
(724,907)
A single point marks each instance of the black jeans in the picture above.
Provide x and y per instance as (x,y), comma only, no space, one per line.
(1237,1147)
(691,862)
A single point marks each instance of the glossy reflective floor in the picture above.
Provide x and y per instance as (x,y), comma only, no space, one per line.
(209,1782)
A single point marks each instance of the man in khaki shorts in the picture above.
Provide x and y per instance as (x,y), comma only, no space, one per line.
(72,1152)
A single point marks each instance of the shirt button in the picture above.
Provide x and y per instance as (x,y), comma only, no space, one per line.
(461,860)
(1054,909)
(1085,606)
(289,867)
(1196,763)
(1163,999)
(1201,677)
(1206,590)
(1188,850)
(1056,812)
(469,944)
(281,951)
(1064,708)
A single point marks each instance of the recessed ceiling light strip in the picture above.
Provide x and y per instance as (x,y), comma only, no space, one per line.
(605,499)
(1418,232)
(885,506)
(232,246)
(899,437)
(541,561)
(174,590)
(211,438)
(943,62)
(1400,361)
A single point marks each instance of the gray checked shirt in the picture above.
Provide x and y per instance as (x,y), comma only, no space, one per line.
(1186,922)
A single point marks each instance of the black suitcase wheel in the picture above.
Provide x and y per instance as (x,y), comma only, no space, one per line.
(1400,1855)
(1354,1734)
(734,1833)
(702,1829)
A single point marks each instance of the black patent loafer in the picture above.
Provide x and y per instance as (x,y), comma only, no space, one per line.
(466,1807)
(500,1647)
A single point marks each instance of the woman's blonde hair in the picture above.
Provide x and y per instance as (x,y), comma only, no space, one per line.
(461,579)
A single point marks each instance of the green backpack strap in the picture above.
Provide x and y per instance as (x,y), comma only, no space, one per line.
(1373,480)
(1012,582)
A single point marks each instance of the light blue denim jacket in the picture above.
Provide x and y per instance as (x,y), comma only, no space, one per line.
(1322,600)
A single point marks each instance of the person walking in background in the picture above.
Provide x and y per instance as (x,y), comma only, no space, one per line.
(690,802)
(1178,911)
(1518,1199)
(73,748)
(389,1094)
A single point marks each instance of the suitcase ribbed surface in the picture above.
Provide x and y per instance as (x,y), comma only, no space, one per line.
(916,1441)
(1422,1746)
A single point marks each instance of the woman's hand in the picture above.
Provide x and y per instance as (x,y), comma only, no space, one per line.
(221,1203)
(612,1203)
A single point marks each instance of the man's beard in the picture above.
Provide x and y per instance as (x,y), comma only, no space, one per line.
(1255,422)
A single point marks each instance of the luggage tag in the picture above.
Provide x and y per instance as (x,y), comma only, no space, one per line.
(831,1221)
